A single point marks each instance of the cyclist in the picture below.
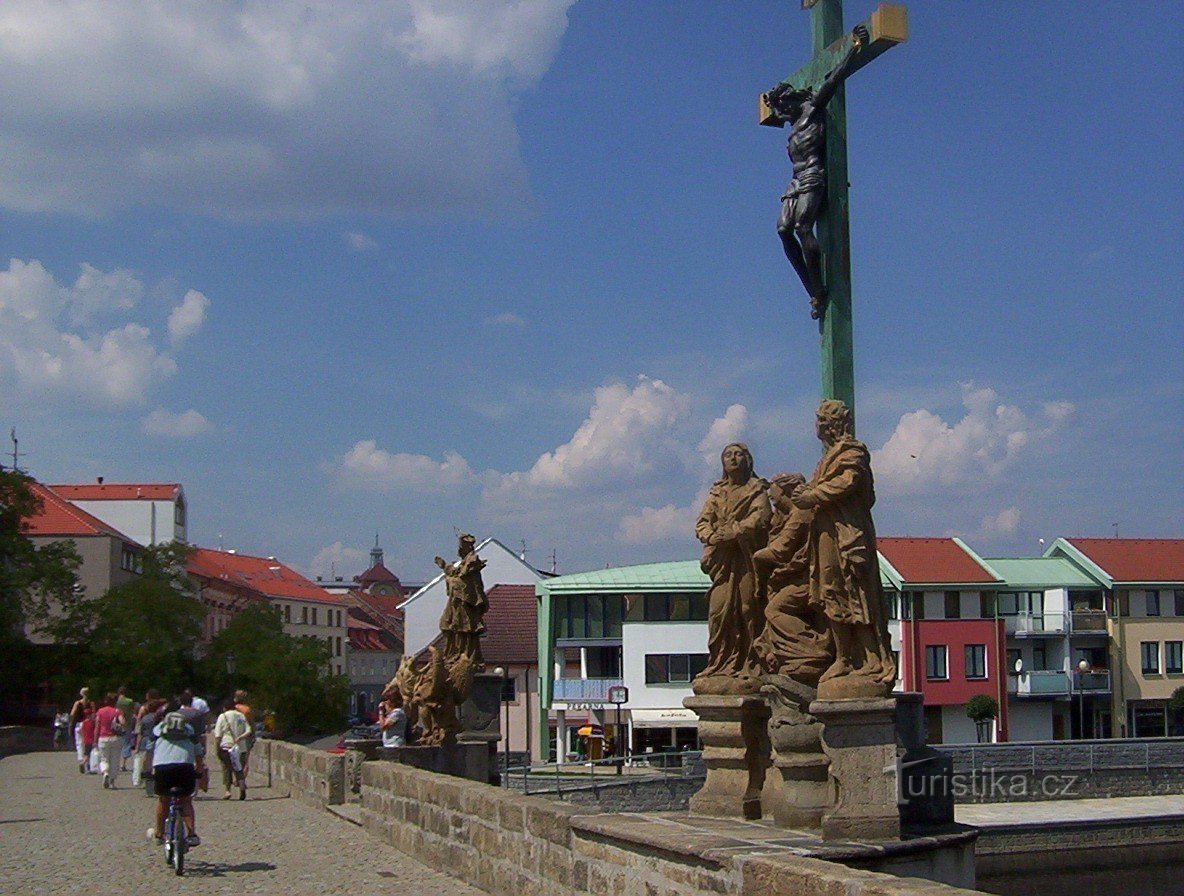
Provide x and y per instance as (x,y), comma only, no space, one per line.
(173,761)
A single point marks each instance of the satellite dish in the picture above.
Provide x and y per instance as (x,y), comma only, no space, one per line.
(1019,666)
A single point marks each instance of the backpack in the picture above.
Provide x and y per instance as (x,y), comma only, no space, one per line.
(118,725)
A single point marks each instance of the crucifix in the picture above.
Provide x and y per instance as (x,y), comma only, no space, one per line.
(813,102)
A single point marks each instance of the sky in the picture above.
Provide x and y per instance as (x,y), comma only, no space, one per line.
(396,270)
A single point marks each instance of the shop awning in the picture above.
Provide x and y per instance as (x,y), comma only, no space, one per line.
(663,718)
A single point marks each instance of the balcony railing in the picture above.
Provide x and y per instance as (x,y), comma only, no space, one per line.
(1039,624)
(1089,621)
(1043,684)
(1095,682)
(584,690)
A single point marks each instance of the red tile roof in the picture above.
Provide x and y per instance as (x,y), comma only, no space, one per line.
(119,491)
(271,578)
(59,517)
(511,625)
(1135,559)
(932,561)
(378,573)
(364,636)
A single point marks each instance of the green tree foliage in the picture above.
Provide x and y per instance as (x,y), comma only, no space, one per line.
(144,633)
(36,582)
(982,707)
(286,676)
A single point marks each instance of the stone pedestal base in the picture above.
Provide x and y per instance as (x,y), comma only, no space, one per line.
(859,738)
(734,731)
(802,790)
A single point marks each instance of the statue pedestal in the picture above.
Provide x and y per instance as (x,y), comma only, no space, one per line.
(859,739)
(801,781)
(734,731)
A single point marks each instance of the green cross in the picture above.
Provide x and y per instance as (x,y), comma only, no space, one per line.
(887,27)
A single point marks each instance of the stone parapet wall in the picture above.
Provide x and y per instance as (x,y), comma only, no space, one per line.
(508,844)
(16,739)
(311,776)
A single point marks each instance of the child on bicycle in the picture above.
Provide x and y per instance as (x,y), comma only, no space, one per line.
(173,765)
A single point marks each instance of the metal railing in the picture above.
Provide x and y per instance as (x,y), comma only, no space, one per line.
(556,778)
(584,689)
(1097,681)
(1088,621)
(1060,756)
(1052,683)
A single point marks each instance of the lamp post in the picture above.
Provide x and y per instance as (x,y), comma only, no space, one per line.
(1082,668)
(617,695)
(504,674)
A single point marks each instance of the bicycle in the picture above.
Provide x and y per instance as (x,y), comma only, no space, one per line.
(175,844)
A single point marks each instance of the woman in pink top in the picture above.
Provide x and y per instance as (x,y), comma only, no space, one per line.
(110,726)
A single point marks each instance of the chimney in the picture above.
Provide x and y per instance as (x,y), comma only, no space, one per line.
(99,479)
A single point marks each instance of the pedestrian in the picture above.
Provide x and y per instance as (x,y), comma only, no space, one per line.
(79,712)
(127,706)
(61,730)
(197,717)
(240,703)
(392,719)
(110,727)
(230,731)
(150,713)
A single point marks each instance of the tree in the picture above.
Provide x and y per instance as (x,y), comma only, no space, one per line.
(982,708)
(37,584)
(143,633)
(1176,709)
(286,676)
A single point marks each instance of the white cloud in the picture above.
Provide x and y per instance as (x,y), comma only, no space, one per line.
(187,318)
(724,431)
(1005,522)
(338,560)
(166,424)
(368,465)
(925,452)
(654,524)
(505,319)
(360,242)
(38,354)
(618,442)
(233,109)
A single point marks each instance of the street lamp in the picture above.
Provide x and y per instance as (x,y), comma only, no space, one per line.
(504,674)
(231,663)
(1082,668)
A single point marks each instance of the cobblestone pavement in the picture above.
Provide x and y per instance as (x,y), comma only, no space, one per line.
(61,833)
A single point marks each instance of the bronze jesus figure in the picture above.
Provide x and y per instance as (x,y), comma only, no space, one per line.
(801,204)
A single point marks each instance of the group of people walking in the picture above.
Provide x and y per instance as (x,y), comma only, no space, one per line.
(164,740)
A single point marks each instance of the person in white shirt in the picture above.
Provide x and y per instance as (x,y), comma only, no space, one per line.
(392,719)
(231,730)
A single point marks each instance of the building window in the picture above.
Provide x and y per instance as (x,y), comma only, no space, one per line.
(1039,658)
(673,668)
(912,604)
(179,513)
(1173,657)
(287,612)
(1179,603)
(314,615)
(304,615)
(1152,603)
(339,645)
(936,668)
(1149,650)
(953,605)
(891,605)
(976,660)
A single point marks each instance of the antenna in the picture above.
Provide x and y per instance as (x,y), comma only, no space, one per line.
(554,562)
(1115,525)
(522,556)
(16,454)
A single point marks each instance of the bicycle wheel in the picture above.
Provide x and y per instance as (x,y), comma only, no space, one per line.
(179,847)
(169,821)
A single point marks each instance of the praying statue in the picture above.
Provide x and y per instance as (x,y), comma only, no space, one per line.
(801,204)
(733,525)
(796,642)
(844,567)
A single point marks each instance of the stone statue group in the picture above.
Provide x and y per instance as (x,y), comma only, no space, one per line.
(795,582)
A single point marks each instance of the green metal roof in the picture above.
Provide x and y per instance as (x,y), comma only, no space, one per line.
(1041,572)
(680,575)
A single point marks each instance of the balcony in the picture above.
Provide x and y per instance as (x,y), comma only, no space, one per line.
(1089,622)
(584,690)
(1095,682)
(1035,624)
(1043,684)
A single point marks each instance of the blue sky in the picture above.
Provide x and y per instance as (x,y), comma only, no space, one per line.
(512,268)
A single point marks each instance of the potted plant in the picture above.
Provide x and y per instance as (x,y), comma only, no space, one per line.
(982,709)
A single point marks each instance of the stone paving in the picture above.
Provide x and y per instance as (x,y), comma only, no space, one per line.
(61,833)
(1053,811)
